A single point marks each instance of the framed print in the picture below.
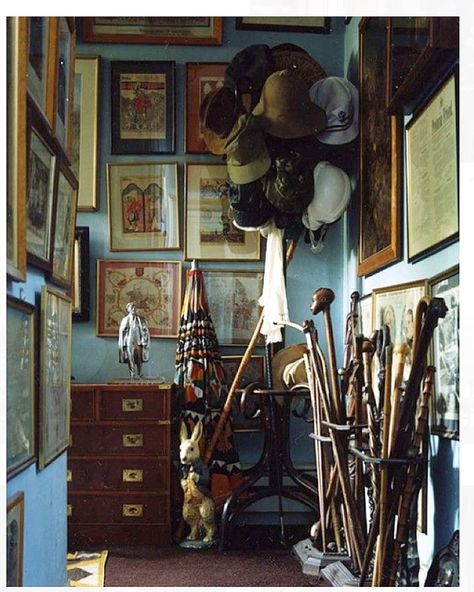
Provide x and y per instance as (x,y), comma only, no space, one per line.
(167,30)
(55,375)
(201,78)
(380,201)
(297,24)
(64,82)
(80,281)
(209,231)
(154,286)
(445,408)
(143,107)
(143,202)
(233,304)
(64,227)
(41,52)
(85,131)
(17,29)
(365,315)
(432,174)
(21,384)
(15,535)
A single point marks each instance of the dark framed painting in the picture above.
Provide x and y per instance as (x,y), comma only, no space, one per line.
(143,107)
(21,384)
(80,278)
(201,78)
(381,188)
(295,24)
(165,30)
(15,535)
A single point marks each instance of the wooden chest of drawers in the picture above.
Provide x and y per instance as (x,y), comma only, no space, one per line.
(119,465)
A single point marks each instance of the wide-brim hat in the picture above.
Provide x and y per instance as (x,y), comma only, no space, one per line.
(218,115)
(292,57)
(282,359)
(247,157)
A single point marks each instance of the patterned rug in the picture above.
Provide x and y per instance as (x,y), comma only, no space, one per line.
(86,570)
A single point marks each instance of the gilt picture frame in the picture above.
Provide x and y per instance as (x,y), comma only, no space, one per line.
(64,81)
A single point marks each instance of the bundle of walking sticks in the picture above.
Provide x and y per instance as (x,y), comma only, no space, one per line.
(368,438)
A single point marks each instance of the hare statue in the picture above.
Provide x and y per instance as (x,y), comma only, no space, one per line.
(198,506)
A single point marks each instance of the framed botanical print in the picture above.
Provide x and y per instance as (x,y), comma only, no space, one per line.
(295,24)
(64,77)
(143,204)
(233,304)
(201,78)
(380,221)
(41,49)
(209,231)
(21,384)
(80,281)
(55,375)
(15,536)
(445,356)
(154,287)
(143,107)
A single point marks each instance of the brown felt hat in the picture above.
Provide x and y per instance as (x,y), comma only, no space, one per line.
(218,114)
(247,156)
(290,57)
(281,364)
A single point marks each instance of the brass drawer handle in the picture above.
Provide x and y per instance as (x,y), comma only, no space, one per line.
(69,510)
(132,404)
(164,422)
(132,510)
(132,440)
(69,476)
(132,475)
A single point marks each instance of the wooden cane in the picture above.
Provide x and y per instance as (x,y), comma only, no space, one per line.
(401,352)
(368,350)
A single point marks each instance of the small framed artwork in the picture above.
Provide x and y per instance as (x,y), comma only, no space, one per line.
(80,282)
(55,375)
(209,231)
(296,24)
(64,82)
(445,408)
(64,227)
(143,204)
(15,534)
(365,315)
(166,30)
(380,221)
(21,384)
(17,30)
(233,304)
(201,78)
(143,107)
(154,286)
(432,174)
(85,136)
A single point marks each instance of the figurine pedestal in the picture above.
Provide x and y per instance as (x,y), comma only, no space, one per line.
(313,560)
(197,544)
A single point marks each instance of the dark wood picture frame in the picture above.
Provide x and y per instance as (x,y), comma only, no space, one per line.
(81,276)
(14,540)
(296,24)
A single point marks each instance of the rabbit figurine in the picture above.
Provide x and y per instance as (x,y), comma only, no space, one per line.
(198,506)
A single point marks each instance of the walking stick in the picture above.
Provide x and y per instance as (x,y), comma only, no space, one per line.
(401,351)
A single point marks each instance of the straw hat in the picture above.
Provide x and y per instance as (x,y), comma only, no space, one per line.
(282,360)
(292,57)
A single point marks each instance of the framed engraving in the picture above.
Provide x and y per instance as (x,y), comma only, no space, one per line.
(295,24)
(14,542)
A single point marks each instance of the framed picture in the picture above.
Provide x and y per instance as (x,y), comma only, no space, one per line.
(64,82)
(380,221)
(154,286)
(55,375)
(143,204)
(445,409)
(297,24)
(233,304)
(432,174)
(365,315)
(167,30)
(64,227)
(17,30)
(40,197)
(209,231)
(143,107)
(80,282)
(85,132)
(21,384)
(15,533)
(201,78)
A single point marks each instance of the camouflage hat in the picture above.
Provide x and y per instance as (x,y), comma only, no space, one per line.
(289,185)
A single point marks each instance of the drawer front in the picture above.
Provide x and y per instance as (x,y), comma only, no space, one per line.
(118,509)
(132,404)
(82,404)
(121,439)
(108,473)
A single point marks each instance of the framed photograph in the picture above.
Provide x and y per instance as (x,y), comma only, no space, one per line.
(15,533)
(201,78)
(154,286)
(296,24)
(64,227)
(143,204)
(432,174)
(80,281)
(233,304)
(365,315)
(21,384)
(445,408)
(209,231)
(166,30)
(64,77)
(380,221)
(17,30)
(85,131)
(143,107)
(55,375)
